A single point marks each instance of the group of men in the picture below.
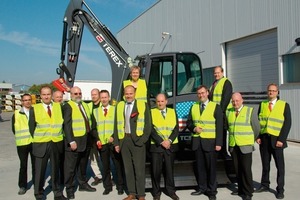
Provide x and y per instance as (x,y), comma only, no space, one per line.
(212,116)
(67,133)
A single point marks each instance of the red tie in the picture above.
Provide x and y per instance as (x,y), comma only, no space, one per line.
(105,112)
(49,111)
(270,106)
(236,113)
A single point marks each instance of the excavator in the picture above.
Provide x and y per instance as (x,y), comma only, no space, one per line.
(177,74)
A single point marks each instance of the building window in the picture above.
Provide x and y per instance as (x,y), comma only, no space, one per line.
(291,68)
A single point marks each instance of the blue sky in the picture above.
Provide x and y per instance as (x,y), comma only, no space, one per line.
(31,32)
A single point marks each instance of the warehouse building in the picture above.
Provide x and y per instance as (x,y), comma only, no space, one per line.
(257,42)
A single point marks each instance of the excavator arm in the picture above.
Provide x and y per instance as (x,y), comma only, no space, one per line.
(77,16)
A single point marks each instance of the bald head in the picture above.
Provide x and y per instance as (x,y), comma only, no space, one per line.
(95,95)
(161,101)
(76,94)
(237,100)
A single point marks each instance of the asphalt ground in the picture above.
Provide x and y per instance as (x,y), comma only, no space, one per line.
(9,170)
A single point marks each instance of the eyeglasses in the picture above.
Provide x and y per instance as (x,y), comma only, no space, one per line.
(77,93)
(272,90)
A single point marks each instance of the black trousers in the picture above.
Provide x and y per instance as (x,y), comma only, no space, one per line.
(266,151)
(106,154)
(242,165)
(134,159)
(75,164)
(23,152)
(162,160)
(206,170)
(53,153)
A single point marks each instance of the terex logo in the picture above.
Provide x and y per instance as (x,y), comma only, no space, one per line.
(109,50)
(99,38)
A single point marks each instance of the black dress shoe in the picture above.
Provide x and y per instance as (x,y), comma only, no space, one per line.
(197,192)
(22,191)
(156,198)
(247,197)
(279,196)
(96,181)
(120,192)
(62,197)
(86,187)
(212,197)
(174,197)
(70,195)
(262,189)
(107,191)
(235,193)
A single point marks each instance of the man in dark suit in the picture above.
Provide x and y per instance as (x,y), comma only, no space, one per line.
(77,129)
(45,126)
(164,144)
(243,127)
(205,121)
(220,92)
(131,132)
(275,123)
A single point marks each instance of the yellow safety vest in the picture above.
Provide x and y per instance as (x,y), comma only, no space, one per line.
(105,124)
(121,119)
(22,134)
(164,126)
(48,128)
(78,123)
(240,129)
(141,90)
(271,122)
(206,120)
(217,95)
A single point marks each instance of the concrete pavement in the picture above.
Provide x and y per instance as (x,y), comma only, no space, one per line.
(9,170)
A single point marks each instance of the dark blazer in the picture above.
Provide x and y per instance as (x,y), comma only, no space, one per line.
(158,140)
(284,130)
(39,149)
(208,144)
(138,140)
(83,141)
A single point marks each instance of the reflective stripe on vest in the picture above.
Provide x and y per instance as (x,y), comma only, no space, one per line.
(141,90)
(206,120)
(105,124)
(271,122)
(217,95)
(22,134)
(121,119)
(78,123)
(240,129)
(48,129)
(164,126)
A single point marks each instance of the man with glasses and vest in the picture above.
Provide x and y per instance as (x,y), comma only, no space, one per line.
(205,121)
(23,138)
(104,116)
(131,132)
(220,92)
(275,123)
(164,144)
(243,127)
(45,125)
(77,129)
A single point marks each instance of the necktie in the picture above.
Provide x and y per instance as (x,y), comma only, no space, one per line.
(127,118)
(270,106)
(236,113)
(163,114)
(105,111)
(49,111)
(202,108)
(86,121)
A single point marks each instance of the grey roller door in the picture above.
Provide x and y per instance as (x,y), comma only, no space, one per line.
(252,62)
